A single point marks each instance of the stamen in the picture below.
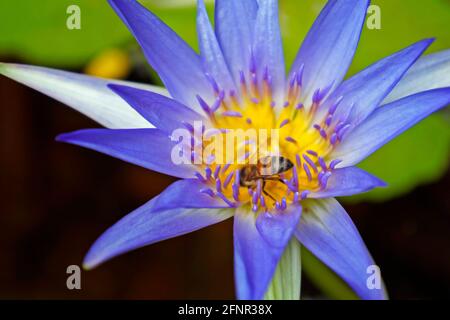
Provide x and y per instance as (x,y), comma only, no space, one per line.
(188,126)
(323,164)
(283,204)
(300,75)
(249,121)
(339,126)
(298,160)
(324,180)
(226,167)
(296,197)
(329,120)
(334,106)
(343,131)
(277,205)
(218,185)
(228,179)
(200,176)
(299,106)
(262,201)
(204,105)
(312,152)
(213,82)
(255,198)
(285,122)
(233,114)
(218,102)
(217,171)
(237,178)
(305,194)
(333,138)
(228,202)
(208,173)
(208,191)
(310,162)
(291,140)
(334,163)
(308,172)
(295,176)
(235,192)
(290,186)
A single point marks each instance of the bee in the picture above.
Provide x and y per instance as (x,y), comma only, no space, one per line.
(268,169)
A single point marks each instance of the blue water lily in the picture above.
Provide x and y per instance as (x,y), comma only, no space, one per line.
(326,126)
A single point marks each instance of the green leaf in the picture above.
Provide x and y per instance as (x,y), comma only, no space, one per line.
(286,281)
(36,31)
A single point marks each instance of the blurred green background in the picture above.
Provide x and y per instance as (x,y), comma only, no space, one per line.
(36,34)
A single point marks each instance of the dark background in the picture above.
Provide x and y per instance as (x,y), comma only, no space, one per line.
(56,199)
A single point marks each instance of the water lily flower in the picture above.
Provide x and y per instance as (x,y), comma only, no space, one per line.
(327,125)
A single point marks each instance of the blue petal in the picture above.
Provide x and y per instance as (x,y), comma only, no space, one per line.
(364,92)
(86,94)
(235,23)
(347,182)
(178,66)
(328,49)
(429,72)
(258,246)
(388,122)
(268,47)
(187,194)
(164,113)
(327,231)
(145,226)
(149,148)
(211,53)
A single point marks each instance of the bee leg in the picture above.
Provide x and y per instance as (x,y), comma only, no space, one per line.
(266,193)
(274,179)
